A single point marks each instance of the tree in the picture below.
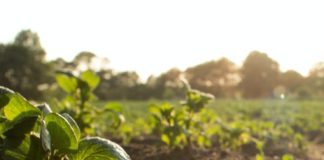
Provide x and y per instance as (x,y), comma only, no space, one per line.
(23,66)
(315,80)
(216,77)
(117,86)
(317,70)
(83,60)
(291,80)
(29,39)
(167,85)
(259,75)
(60,64)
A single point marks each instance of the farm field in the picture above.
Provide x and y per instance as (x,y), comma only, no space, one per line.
(241,129)
(162,80)
(197,127)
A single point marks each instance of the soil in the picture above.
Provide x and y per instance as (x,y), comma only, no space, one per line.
(149,148)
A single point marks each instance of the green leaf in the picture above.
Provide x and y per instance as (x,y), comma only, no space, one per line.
(115,109)
(96,148)
(154,109)
(258,157)
(18,108)
(91,78)
(19,128)
(84,89)
(45,137)
(287,157)
(68,83)
(197,100)
(27,147)
(73,124)
(61,132)
(165,138)
(5,125)
(28,125)
(3,99)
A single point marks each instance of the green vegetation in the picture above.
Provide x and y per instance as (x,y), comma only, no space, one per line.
(183,126)
(284,128)
(258,111)
(79,101)
(37,133)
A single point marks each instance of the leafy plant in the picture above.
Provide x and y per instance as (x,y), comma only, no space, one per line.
(179,127)
(36,133)
(169,124)
(78,104)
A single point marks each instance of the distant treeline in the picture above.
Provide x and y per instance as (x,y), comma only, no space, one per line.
(23,68)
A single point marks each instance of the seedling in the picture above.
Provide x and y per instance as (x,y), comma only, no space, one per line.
(175,125)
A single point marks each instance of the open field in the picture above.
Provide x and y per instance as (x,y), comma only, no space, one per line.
(243,129)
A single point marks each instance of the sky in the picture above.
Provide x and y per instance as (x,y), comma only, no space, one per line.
(150,36)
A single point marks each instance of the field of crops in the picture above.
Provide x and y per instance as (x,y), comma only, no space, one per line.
(198,127)
(240,129)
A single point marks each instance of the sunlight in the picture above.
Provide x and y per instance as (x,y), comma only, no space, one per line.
(188,34)
(172,79)
(282,96)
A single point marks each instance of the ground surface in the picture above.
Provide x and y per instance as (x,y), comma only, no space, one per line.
(149,149)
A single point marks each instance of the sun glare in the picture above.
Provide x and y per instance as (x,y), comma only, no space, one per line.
(152,37)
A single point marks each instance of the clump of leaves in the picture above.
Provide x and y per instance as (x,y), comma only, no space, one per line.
(169,124)
(183,126)
(77,103)
(29,132)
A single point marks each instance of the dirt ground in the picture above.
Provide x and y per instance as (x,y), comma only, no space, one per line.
(149,148)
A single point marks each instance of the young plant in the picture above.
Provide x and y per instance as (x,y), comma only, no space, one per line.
(179,127)
(169,124)
(194,105)
(78,104)
(36,133)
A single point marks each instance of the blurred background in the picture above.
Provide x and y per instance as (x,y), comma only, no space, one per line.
(24,68)
(231,49)
(263,62)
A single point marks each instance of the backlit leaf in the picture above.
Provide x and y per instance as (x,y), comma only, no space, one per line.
(91,78)
(61,132)
(18,108)
(95,148)
(68,83)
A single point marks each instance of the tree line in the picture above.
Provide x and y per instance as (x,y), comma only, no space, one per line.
(23,68)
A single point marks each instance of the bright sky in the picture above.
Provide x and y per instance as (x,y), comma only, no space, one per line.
(151,36)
